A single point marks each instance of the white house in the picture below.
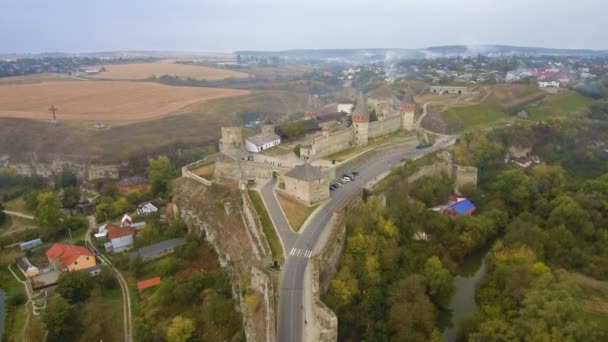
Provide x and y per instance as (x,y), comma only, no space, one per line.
(548,84)
(121,238)
(346,107)
(262,141)
(146,208)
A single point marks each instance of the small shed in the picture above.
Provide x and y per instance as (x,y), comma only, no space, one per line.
(144,284)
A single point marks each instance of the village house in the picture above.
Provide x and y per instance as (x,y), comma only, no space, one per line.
(146,208)
(457,206)
(70,258)
(133,183)
(121,238)
(27,268)
(548,84)
(157,250)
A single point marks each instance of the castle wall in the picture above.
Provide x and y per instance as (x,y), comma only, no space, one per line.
(389,125)
(227,169)
(323,146)
(381,106)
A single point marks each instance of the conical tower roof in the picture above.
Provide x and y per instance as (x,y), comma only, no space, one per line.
(361,114)
(407,98)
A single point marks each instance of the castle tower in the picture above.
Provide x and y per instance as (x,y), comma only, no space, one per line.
(407,109)
(267,127)
(360,117)
(232,137)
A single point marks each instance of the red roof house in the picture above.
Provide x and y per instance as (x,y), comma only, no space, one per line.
(115,232)
(69,257)
(121,238)
(144,284)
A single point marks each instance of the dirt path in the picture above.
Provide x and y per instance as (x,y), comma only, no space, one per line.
(124,288)
(18,214)
(595,293)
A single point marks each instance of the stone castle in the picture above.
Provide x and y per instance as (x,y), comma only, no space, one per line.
(393,115)
(306,177)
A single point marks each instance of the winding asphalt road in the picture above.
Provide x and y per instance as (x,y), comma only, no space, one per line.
(291,301)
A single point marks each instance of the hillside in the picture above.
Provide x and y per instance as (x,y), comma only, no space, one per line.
(196,125)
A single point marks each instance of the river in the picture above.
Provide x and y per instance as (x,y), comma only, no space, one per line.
(463,303)
(2,313)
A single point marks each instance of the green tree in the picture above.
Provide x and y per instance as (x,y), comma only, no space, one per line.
(549,179)
(71,196)
(296,150)
(74,286)
(294,130)
(552,311)
(515,188)
(106,278)
(61,320)
(180,330)
(411,315)
(48,213)
(160,173)
(440,282)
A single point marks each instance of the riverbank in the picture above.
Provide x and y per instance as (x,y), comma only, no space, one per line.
(463,302)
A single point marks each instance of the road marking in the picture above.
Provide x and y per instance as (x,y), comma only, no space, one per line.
(292,251)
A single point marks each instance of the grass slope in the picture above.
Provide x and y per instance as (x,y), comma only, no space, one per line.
(269,231)
(476,115)
(295,212)
(569,103)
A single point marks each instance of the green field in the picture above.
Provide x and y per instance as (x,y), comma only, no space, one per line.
(476,115)
(557,106)
(269,231)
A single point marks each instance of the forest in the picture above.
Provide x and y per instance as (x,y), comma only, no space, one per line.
(543,225)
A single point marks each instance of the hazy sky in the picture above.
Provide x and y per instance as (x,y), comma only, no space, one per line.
(228,25)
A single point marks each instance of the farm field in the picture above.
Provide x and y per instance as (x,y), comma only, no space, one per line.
(140,71)
(36,79)
(101,100)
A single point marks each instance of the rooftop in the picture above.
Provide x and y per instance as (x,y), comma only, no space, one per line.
(157,248)
(463,207)
(144,284)
(118,232)
(66,253)
(262,138)
(306,172)
(360,113)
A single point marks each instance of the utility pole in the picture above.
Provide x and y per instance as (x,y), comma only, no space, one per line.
(53,110)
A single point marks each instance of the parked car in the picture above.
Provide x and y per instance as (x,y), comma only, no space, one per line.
(332,187)
(355,173)
(349,177)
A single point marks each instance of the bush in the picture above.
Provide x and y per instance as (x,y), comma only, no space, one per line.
(75,286)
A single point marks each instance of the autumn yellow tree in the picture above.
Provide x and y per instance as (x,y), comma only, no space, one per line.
(180,330)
